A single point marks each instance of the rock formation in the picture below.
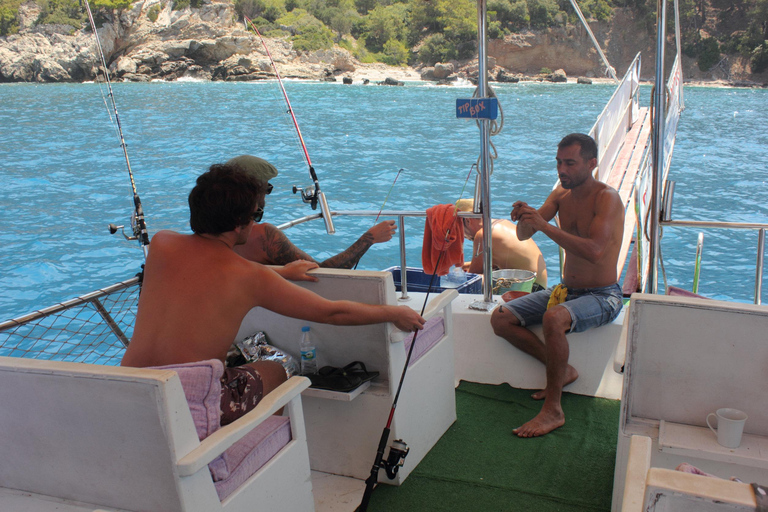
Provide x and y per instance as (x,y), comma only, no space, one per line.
(151,41)
(202,43)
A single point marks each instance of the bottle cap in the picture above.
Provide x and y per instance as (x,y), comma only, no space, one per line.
(305,328)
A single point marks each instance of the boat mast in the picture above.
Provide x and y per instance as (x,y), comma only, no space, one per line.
(483,187)
(659,114)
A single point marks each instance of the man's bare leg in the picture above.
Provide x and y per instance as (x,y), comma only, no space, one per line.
(570,376)
(507,325)
(272,375)
(556,323)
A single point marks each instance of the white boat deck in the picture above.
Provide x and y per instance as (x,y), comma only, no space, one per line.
(335,493)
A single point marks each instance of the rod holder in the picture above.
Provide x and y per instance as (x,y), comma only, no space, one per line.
(326,214)
(666,209)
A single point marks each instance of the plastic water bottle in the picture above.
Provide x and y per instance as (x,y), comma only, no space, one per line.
(308,353)
(454,279)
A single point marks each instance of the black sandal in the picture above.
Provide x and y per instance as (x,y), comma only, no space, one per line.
(342,379)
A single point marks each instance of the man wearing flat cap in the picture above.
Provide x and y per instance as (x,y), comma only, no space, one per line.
(269,246)
(196,291)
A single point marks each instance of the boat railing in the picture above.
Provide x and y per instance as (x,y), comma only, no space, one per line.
(93,328)
(96,327)
(759,227)
(400,214)
(617,117)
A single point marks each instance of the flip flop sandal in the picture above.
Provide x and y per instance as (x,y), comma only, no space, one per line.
(357,368)
(341,379)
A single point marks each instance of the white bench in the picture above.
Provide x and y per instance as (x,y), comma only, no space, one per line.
(82,437)
(343,430)
(687,357)
(483,357)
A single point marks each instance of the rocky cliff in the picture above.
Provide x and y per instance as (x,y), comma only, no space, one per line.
(204,43)
(207,43)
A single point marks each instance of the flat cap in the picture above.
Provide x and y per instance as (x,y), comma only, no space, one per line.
(255,166)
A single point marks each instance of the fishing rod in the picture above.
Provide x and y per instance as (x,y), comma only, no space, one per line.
(138,223)
(399,449)
(312,195)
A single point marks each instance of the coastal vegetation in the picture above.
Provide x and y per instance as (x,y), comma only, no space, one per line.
(401,32)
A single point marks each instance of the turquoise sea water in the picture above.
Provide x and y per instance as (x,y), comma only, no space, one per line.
(63,177)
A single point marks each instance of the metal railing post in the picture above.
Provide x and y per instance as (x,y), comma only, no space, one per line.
(759,266)
(403,268)
(697,263)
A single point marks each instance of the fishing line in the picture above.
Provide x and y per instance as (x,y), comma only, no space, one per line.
(387,196)
(139,225)
(397,455)
(380,210)
(282,88)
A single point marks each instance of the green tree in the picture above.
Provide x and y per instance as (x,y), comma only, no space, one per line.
(759,59)
(311,33)
(342,22)
(270,10)
(542,13)
(709,53)
(513,15)
(60,12)
(383,24)
(454,20)
(153,13)
(436,48)
(9,20)
(395,53)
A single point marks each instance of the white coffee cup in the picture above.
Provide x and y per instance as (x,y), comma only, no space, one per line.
(730,425)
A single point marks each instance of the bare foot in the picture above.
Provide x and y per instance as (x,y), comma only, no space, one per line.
(544,423)
(570,375)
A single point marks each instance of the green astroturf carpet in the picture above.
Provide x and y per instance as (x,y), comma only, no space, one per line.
(479,465)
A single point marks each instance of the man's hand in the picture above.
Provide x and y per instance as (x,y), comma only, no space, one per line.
(297,270)
(517,209)
(406,319)
(528,219)
(383,231)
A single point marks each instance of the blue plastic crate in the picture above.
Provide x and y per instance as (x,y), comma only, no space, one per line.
(418,281)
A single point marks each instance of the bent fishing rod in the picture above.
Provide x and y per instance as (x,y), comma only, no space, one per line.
(399,449)
(313,195)
(138,223)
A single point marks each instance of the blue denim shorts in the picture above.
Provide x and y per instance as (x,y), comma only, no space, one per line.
(589,307)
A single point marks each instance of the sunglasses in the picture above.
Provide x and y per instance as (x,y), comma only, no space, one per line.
(259,213)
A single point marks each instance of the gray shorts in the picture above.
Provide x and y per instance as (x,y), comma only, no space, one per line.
(589,307)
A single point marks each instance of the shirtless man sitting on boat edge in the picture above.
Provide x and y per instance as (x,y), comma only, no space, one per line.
(269,245)
(197,290)
(592,224)
(508,251)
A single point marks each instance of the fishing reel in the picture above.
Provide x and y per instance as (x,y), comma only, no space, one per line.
(113,229)
(308,195)
(313,196)
(137,232)
(397,453)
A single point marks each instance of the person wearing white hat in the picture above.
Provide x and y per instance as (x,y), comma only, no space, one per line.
(508,251)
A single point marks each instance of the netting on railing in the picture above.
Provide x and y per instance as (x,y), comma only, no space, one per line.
(93,328)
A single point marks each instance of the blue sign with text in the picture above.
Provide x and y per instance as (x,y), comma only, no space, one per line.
(477,108)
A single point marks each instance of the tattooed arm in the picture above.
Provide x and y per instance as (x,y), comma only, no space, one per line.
(381,232)
(278,250)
